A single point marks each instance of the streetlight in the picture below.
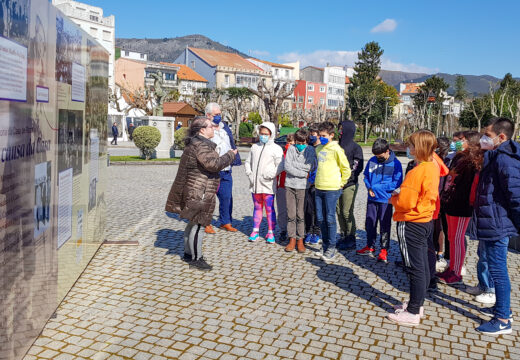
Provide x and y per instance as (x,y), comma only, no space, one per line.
(386,114)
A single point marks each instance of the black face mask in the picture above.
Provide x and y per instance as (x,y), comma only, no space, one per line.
(381,159)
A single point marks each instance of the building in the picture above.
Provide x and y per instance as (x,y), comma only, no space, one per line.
(334,77)
(407,91)
(309,95)
(90,18)
(189,80)
(222,69)
(129,54)
(136,74)
(182,112)
(296,69)
(312,73)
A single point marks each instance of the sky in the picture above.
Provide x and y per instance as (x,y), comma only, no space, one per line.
(458,36)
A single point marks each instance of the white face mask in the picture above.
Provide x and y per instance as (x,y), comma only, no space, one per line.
(487,143)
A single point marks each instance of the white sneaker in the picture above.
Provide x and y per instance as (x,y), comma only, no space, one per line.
(441,265)
(463,271)
(486,298)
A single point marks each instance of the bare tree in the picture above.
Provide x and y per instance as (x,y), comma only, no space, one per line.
(273,97)
(365,99)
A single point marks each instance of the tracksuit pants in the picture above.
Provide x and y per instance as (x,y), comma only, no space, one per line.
(382,213)
(311,223)
(225,198)
(193,240)
(281,209)
(456,233)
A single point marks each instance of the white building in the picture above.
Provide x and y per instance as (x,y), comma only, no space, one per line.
(334,77)
(90,18)
(134,55)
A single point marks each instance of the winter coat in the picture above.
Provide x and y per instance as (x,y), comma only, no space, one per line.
(115,131)
(456,193)
(264,163)
(283,174)
(383,178)
(298,165)
(333,168)
(496,211)
(192,194)
(353,151)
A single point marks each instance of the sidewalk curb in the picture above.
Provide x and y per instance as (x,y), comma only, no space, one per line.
(141,163)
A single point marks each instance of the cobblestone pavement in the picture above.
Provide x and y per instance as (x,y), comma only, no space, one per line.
(143,302)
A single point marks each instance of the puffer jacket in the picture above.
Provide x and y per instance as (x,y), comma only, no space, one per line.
(264,163)
(192,194)
(496,210)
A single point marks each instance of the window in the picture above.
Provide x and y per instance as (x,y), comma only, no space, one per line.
(322,89)
(286,73)
(193,64)
(107,35)
(226,79)
(142,56)
(127,53)
(93,32)
(276,72)
(169,76)
(246,80)
(322,101)
(310,99)
(310,87)
(300,99)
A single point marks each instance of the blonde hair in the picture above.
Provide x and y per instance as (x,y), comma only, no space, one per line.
(425,143)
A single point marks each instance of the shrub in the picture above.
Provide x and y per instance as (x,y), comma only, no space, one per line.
(146,138)
(285,121)
(245,130)
(255,118)
(179,136)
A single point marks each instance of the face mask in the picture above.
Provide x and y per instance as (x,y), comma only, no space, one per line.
(380,159)
(217,119)
(301,147)
(264,139)
(458,145)
(453,147)
(408,155)
(313,139)
(324,140)
(487,143)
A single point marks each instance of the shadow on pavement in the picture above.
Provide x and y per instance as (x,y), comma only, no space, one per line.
(171,240)
(345,279)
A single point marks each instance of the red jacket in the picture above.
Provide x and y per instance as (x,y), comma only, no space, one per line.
(283,174)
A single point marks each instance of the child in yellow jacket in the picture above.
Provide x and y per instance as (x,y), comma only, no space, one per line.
(332,174)
(415,204)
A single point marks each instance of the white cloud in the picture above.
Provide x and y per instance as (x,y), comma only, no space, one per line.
(259,53)
(388,25)
(340,58)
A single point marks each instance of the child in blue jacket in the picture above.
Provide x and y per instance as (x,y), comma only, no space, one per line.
(383,174)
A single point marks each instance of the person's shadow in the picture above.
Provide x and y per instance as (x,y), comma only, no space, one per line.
(344,278)
(171,240)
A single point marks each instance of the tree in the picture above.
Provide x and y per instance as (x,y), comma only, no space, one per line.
(239,98)
(476,113)
(460,89)
(273,97)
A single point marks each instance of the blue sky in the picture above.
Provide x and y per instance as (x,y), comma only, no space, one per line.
(458,36)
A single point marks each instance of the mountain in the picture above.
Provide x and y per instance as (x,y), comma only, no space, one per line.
(394,78)
(168,49)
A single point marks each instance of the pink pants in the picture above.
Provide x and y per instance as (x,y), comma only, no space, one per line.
(456,231)
(259,201)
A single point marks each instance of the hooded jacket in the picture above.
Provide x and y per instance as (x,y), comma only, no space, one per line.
(264,163)
(383,178)
(297,165)
(496,211)
(333,169)
(352,150)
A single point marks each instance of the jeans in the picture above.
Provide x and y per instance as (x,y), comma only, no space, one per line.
(485,282)
(345,211)
(281,209)
(326,201)
(311,226)
(496,252)
(225,198)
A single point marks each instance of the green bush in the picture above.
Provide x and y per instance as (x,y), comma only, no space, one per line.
(146,138)
(245,130)
(255,118)
(179,136)
(285,121)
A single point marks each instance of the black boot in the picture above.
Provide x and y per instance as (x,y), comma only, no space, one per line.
(187,257)
(201,264)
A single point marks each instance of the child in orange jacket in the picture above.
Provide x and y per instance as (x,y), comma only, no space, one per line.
(414,206)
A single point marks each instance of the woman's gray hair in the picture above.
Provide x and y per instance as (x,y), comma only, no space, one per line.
(198,123)
(210,107)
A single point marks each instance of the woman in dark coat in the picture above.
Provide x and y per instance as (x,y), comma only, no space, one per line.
(193,192)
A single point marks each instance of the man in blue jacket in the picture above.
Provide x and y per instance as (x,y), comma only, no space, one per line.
(383,174)
(225,142)
(496,215)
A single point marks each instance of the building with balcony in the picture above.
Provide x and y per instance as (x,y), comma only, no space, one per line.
(309,95)
(129,54)
(334,78)
(90,18)
(189,80)
(222,69)
(136,74)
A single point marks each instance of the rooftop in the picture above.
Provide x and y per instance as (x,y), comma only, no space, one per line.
(220,58)
(186,73)
(274,64)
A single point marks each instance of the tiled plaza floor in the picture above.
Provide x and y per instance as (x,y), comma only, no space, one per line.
(143,302)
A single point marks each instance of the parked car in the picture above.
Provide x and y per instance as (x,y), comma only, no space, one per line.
(281,140)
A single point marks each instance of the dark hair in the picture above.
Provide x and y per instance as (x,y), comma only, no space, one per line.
(503,125)
(380,146)
(473,156)
(198,123)
(313,128)
(444,146)
(327,126)
(472,138)
(301,135)
(458,134)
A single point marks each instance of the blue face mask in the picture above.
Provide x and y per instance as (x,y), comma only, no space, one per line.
(408,155)
(264,139)
(301,147)
(453,147)
(313,139)
(217,119)
(324,140)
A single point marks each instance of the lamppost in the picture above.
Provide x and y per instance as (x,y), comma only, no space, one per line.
(386,116)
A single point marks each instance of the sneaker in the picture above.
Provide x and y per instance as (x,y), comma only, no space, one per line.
(383,256)
(253,236)
(366,251)
(308,238)
(441,264)
(200,264)
(315,239)
(474,290)
(490,311)
(320,252)
(450,278)
(329,255)
(270,238)
(404,306)
(495,327)
(432,287)
(486,298)
(405,318)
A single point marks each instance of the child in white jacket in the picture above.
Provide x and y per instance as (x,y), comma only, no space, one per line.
(263,165)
